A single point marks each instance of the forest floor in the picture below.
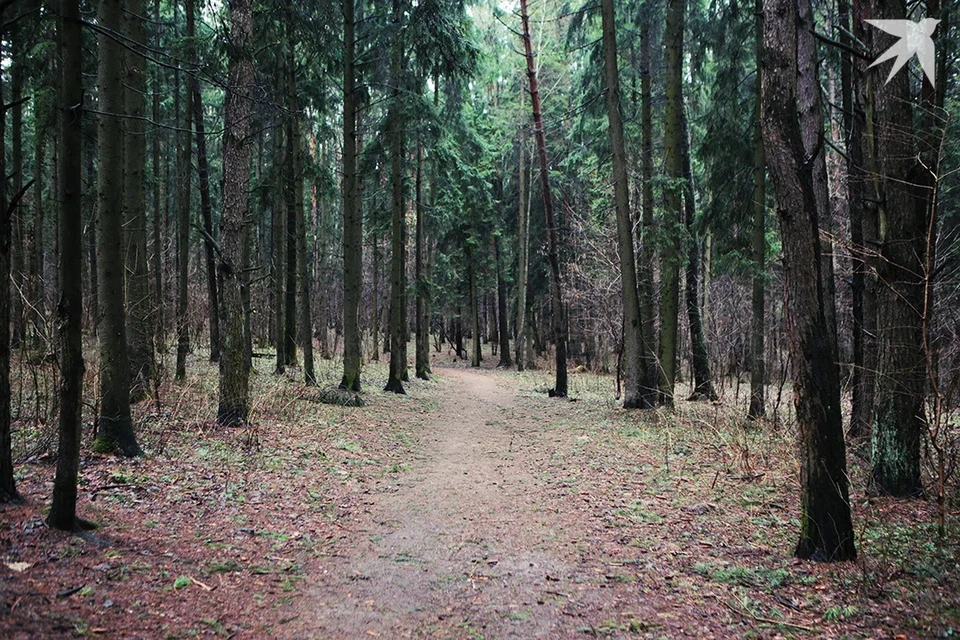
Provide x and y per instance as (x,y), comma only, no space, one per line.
(472,507)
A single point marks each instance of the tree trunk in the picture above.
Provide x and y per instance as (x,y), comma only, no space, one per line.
(183,216)
(17,246)
(160,339)
(8,487)
(115,433)
(758,245)
(422,369)
(140,347)
(811,126)
(702,378)
(206,212)
(290,251)
(523,228)
(899,419)
(649,363)
(234,365)
(375,311)
(63,510)
(502,313)
(673,143)
(278,230)
(352,214)
(863,196)
(476,352)
(36,292)
(295,202)
(398,267)
(559,334)
(826,530)
(632,397)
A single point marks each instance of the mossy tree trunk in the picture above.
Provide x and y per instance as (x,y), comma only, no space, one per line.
(758,243)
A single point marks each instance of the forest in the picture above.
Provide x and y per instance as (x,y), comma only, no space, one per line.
(479,319)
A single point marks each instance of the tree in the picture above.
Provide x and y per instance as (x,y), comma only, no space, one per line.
(183,211)
(234,369)
(115,432)
(905,193)
(672,142)
(352,214)
(632,338)
(63,510)
(422,323)
(758,242)
(826,529)
(140,333)
(398,273)
(206,214)
(556,292)
(8,487)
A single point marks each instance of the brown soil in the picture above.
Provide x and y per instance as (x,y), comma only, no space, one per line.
(474,507)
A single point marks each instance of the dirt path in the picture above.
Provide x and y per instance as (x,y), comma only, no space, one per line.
(465,545)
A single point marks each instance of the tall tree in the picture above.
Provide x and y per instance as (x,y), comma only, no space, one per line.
(295,200)
(115,433)
(139,331)
(523,223)
(63,510)
(556,290)
(206,215)
(183,211)
(422,327)
(8,487)
(899,419)
(650,365)
(398,333)
(632,396)
(758,242)
(503,330)
(673,198)
(234,403)
(352,214)
(826,529)
(703,380)
(863,201)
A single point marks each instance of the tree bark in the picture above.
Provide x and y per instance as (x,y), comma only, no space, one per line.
(503,331)
(295,202)
(673,164)
(422,329)
(352,214)
(8,486)
(63,510)
(632,396)
(758,245)
(703,380)
(115,433)
(183,215)
(826,530)
(649,364)
(398,336)
(559,334)
(899,418)
(140,333)
(523,228)
(234,402)
(17,246)
(206,213)
(278,229)
(159,209)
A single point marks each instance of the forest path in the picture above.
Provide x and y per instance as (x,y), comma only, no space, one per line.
(466,543)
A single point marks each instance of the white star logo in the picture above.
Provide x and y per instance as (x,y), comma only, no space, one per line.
(915,38)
